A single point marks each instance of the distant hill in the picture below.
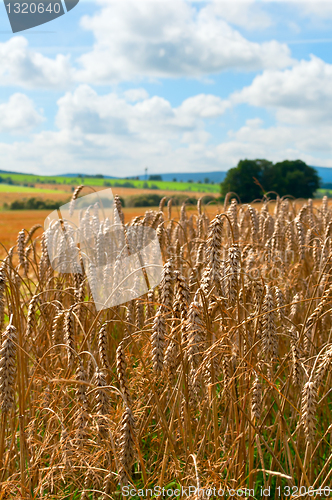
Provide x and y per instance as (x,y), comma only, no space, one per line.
(8,172)
(184,176)
(86,175)
(325,173)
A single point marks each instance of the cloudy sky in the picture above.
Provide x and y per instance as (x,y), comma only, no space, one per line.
(115,86)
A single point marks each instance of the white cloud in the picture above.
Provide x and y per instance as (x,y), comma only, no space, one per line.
(111,135)
(319,8)
(302,94)
(247,14)
(254,122)
(282,141)
(19,115)
(20,66)
(108,130)
(150,118)
(196,137)
(205,106)
(159,38)
(151,39)
(122,132)
(134,95)
(309,8)
(317,11)
(73,150)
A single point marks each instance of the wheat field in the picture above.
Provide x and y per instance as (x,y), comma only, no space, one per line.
(219,377)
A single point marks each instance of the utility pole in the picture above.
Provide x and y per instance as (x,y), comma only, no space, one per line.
(146,173)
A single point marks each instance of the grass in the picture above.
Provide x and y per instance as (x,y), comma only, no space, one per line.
(323,192)
(9,188)
(138,184)
(193,187)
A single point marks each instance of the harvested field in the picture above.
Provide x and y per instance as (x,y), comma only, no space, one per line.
(219,377)
(12,221)
(9,197)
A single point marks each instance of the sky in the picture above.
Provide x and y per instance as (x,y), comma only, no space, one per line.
(117,86)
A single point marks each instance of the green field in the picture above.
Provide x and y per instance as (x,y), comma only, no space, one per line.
(195,187)
(93,181)
(322,192)
(10,188)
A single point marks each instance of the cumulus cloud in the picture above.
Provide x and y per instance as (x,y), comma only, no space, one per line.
(157,39)
(320,9)
(114,135)
(205,106)
(19,115)
(73,150)
(86,111)
(122,132)
(112,131)
(134,95)
(309,143)
(307,8)
(165,39)
(247,14)
(20,66)
(302,94)
(150,39)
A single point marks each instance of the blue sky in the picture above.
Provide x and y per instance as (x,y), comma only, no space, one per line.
(115,86)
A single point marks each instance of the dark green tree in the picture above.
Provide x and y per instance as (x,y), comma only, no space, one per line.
(155,177)
(250,179)
(293,177)
(241,179)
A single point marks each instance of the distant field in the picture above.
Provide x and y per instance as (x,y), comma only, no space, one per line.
(92,181)
(125,191)
(11,222)
(8,188)
(62,192)
(10,193)
(7,197)
(322,192)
